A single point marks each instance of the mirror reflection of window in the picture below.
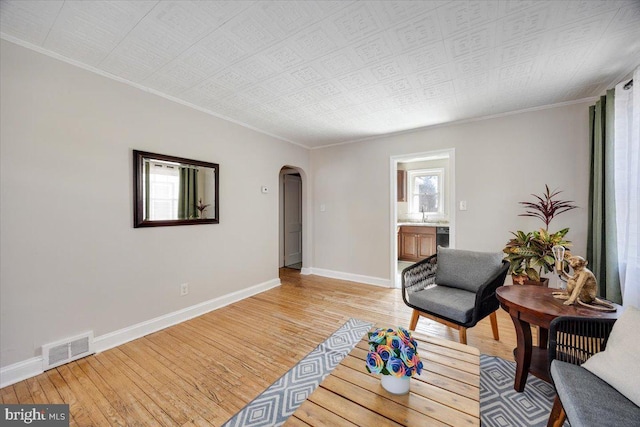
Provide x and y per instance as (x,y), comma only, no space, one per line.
(162,190)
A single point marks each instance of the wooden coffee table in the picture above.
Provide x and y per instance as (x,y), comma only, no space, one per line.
(446,393)
(534,305)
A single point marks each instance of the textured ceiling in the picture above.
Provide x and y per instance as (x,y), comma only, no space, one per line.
(323,72)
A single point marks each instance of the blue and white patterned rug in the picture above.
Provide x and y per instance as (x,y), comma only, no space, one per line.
(282,398)
(502,406)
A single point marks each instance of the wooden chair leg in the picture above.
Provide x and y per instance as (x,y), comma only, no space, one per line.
(462,331)
(557,415)
(414,320)
(463,334)
(494,326)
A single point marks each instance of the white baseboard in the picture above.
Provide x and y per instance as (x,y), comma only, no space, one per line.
(305,271)
(22,370)
(376,281)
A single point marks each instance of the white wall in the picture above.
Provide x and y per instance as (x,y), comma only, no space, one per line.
(71,260)
(498,162)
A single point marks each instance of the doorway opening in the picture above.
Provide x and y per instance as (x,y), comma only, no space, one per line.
(291,218)
(422,207)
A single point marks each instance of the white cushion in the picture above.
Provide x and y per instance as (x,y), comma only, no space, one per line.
(619,363)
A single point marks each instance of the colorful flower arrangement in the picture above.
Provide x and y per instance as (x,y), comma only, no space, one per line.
(393,353)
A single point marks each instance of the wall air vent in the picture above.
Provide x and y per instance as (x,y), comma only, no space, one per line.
(67,350)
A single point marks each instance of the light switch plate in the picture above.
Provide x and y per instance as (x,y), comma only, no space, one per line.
(463,205)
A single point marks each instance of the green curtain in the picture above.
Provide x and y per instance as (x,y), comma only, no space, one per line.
(602,252)
(188,193)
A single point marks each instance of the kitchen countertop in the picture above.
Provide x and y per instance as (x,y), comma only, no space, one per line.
(424,224)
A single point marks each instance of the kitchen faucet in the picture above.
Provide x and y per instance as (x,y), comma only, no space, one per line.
(422,209)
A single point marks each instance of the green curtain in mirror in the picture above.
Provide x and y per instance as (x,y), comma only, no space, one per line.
(602,251)
(188,193)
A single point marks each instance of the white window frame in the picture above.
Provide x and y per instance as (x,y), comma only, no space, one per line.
(412,174)
(166,173)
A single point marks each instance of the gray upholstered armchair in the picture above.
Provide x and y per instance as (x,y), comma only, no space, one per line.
(588,399)
(456,288)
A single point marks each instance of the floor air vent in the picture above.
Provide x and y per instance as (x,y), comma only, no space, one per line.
(67,350)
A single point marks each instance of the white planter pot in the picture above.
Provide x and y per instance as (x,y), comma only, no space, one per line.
(395,385)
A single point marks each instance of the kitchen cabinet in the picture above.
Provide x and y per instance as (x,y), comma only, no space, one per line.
(416,243)
(402,185)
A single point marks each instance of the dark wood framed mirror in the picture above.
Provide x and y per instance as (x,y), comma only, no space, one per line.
(169,190)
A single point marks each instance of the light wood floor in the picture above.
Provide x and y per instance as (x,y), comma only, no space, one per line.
(203,371)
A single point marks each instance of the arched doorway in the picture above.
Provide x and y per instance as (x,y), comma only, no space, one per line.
(291,218)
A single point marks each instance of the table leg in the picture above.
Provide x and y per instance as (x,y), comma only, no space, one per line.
(543,337)
(522,353)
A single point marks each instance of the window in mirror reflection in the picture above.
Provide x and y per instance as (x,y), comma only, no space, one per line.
(177,191)
(161,193)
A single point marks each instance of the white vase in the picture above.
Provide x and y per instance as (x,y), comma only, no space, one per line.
(395,385)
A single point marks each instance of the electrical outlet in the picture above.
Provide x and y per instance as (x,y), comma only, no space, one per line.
(184,289)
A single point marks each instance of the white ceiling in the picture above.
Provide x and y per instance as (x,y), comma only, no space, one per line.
(323,72)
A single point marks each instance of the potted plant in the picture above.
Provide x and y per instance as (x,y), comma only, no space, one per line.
(394,354)
(530,254)
(201,208)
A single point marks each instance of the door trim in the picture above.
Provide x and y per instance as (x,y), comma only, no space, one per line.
(393,203)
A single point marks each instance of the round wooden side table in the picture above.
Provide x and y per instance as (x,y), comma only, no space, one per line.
(535,305)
